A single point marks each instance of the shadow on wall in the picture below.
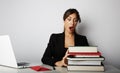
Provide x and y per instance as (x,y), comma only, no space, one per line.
(81,28)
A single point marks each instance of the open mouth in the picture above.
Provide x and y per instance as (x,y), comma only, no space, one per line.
(71,28)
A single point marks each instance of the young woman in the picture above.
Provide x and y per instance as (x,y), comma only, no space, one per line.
(56,51)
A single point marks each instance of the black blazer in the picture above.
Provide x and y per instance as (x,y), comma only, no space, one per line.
(55,50)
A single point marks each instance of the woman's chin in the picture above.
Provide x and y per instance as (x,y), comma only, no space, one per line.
(71,31)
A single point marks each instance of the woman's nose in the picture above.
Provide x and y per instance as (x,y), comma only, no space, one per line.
(72,22)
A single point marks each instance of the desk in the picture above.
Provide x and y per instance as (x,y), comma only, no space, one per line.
(108,69)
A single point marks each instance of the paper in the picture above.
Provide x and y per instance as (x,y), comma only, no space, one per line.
(39,68)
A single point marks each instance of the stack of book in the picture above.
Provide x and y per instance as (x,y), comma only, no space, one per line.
(85,59)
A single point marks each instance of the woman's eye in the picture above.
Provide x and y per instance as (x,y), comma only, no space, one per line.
(75,20)
(69,19)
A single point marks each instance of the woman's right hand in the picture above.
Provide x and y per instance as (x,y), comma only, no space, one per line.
(63,62)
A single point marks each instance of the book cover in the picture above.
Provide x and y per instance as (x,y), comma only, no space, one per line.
(85,68)
(85,53)
(83,49)
(83,62)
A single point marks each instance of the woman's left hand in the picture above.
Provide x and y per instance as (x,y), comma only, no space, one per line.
(65,58)
(63,62)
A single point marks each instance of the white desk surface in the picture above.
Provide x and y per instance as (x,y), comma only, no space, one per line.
(108,69)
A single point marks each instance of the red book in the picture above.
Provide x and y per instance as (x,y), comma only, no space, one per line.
(85,54)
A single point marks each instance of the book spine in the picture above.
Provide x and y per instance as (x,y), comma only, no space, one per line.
(87,58)
(84,53)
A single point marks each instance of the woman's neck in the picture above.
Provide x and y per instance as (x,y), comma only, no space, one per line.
(69,39)
(67,34)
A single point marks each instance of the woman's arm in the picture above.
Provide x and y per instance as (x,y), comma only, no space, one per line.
(86,41)
(48,57)
(63,62)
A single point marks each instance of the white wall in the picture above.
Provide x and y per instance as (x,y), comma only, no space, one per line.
(30,23)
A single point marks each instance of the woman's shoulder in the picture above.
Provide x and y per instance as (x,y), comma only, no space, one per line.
(53,35)
(57,34)
(79,35)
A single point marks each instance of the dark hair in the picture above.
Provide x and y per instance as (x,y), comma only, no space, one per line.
(71,11)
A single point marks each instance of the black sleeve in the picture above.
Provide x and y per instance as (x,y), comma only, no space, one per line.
(81,40)
(48,57)
(85,41)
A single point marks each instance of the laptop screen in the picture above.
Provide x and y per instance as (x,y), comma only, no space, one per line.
(7,56)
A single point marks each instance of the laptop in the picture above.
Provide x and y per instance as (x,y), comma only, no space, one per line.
(7,56)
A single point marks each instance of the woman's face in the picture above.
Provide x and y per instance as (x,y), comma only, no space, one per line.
(70,23)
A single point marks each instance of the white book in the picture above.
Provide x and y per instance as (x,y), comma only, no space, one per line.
(85,68)
(83,49)
(83,62)
(87,58)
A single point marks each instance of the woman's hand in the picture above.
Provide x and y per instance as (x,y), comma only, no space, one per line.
(63,62)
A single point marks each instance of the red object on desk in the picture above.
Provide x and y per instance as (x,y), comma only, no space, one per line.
(39,68)
(85,53)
